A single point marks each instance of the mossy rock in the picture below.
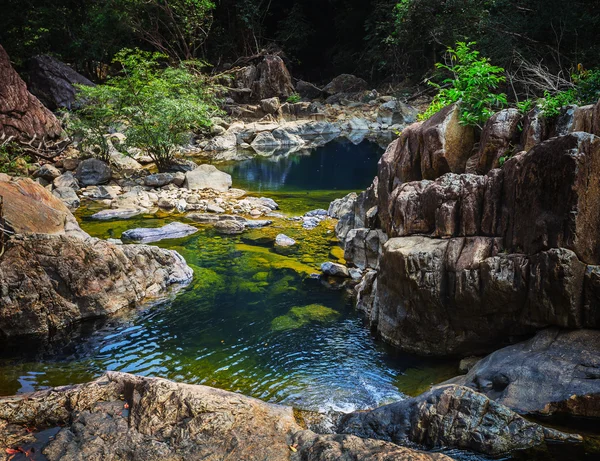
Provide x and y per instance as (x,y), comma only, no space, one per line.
(297,317)
(337,254)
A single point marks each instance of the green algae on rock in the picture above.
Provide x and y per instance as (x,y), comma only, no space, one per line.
(297,317)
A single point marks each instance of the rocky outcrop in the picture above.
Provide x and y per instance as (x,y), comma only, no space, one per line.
(49,282)
(29,207)
(53,82)
(453,416)
(22,115)
(556,373)
(263,77)
(120,416)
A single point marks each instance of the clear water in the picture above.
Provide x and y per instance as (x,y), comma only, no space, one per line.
(253,320)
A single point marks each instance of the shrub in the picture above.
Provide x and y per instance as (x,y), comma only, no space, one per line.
(472,84)
(294,98)
(12,159)
(158,105)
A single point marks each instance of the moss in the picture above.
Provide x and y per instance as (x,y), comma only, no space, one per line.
(299,316)
(415,381)
(337,254)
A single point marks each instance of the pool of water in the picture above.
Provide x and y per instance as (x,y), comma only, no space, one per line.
(253,320)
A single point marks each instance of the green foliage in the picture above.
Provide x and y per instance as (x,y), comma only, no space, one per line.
(159,105)
(472,84)
(294,98)
(551,104)
(525,106)
(12,159)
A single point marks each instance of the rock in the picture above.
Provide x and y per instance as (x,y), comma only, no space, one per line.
(103,192)
(159,179)
(223,142)
(345,83)
(467,363)
(66,180)
(229,227)
(285,138)
(358,124)
(173,230)
(178,179)
(308,90)
(124,163)
(257,223)
(205,218)
(48,172)
(53,82)
(68,196)
(196,422)
(271,106)
(207,177)
(92,172)
(362,247)
(30,208)
(213,208)
(396,112)
(41,271)
(283,240)
(556,373)
(335,270)
(181,165)
(264,139)
(71,163)
(269,203)
(22,115)
(118,213)
(453,416)
(342,206)
(272,80)
(535,129)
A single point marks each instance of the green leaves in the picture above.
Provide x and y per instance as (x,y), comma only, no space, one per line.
(158,105)
(472,83)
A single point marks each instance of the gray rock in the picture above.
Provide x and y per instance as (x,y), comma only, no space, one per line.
(271,105)
(68,196)
(257,223)
(118,213)
(92,172)
(362,247)
(206,218)
(345,83)
(229,227)
(124,163)
(269,203)
(224,142)
(212,208)
(308,90)
(342,206)
(159,179)
(396,112)
(47,172)
(283,240)
(170,231)
(178,179)
(66,180)
(335,270)
(207,177)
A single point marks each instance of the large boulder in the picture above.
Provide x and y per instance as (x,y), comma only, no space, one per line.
(49,282)
(121,416)
(396,112)
(207,177)
(53,82)
(92,172)
(30,208)
(556,373)
(457,417)
(22,115)
(345,83)
(308,90)
(262,77)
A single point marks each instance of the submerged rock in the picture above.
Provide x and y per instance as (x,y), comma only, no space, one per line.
(49,282)
(299,316)
(170,231)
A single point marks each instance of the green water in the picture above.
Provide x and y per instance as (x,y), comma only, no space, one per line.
(253,320)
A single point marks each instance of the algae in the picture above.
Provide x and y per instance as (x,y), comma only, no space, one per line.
(297,317)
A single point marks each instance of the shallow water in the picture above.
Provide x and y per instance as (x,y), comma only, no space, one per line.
(253,320)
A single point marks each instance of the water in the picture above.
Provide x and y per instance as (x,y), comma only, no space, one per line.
(253,320)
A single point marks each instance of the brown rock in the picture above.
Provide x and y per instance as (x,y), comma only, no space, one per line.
(272,79)
(22,115)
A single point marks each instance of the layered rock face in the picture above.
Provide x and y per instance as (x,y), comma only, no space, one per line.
(22,115)
(49,282)
(121,416)
(475,261)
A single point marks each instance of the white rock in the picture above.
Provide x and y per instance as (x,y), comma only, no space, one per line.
(207,177)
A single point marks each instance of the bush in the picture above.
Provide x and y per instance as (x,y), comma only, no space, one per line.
(157,104)
(294,98)
(472,84)
(12,159)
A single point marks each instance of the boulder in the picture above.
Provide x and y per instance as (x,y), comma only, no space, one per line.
(272,80)
(396,112)
(556,373)
(271,106)
(121,416)
(308,90)
(48,282)
(92,172)
(283,240)
(47,172)
(53,82)
(22,115)
(221,143)
(535,129)
(66,180)
(118,213)
(30,208)
(345,83)
(173,230)
(342,206)
(457,417)
(159,179)
(124,163)
(68,196)
(71,163)
(335,270)
(207,177)
(229,227)
(362,247)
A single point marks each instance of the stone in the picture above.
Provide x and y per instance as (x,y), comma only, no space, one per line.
(68,196)
(92,172)
(535,129)
(271,106)
(358,124)
(53,82)
(30,208)
(264,139)
(396,112)
(181,165)
(362,247)
(71,163)
(118,213)
(283,240)
(335,270)
(257,223)
(124,163)
(229,227)
(206,218)
(269,203)
(48,172)
(345,83)
(342,206)
(207,177)
(22,115)
(159,179)
(457,417)
(223,142)
(556,373)
(39,271)
(273,79)
(213,208)
(66,180)
(308,90)
(172,230)
(178,179)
